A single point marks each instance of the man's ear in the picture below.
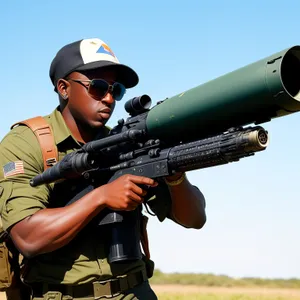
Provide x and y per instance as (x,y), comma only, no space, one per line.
(62,86)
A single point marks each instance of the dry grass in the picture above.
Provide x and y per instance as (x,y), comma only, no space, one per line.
(257,293)
(2,296)
(192,292)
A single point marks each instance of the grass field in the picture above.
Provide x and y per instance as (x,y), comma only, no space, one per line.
(178,286)
(211,280)
(191,292)
(186,292)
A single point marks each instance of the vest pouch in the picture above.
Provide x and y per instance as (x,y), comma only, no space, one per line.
(6,273)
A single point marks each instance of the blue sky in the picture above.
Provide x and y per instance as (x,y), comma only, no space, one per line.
(253,205)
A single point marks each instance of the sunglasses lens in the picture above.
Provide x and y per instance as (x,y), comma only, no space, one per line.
(98,88)
(118,91)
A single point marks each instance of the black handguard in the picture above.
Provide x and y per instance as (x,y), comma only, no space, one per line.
(73,165)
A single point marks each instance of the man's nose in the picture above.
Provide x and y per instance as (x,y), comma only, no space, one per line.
(108,98)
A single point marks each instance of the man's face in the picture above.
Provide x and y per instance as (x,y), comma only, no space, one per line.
(82,106)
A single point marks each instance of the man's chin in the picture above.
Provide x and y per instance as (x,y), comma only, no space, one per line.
(98,124)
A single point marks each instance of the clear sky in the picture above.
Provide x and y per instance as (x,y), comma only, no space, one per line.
(253,206)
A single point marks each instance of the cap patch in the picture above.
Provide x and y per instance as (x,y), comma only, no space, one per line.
(105,49)
(93,50)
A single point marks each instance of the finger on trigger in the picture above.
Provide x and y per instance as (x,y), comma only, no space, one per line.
(149,181)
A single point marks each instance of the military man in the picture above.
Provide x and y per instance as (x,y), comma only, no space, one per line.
(66,254)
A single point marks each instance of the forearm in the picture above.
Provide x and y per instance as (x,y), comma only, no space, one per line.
(50,229)
(188,205)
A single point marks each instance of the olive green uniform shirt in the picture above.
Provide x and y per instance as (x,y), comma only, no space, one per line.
(84,259)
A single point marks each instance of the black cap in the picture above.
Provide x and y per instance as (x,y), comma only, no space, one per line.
(89,54)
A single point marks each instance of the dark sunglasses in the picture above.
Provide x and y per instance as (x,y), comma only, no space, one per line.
(98,88)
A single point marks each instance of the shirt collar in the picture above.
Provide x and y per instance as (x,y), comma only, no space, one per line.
(60,129)
(62,132)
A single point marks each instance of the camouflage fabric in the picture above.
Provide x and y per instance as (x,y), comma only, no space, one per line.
(84,259)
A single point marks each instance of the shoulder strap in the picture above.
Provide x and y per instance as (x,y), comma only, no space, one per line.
(44,134)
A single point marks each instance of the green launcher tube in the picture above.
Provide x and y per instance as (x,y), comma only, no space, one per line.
(256,93)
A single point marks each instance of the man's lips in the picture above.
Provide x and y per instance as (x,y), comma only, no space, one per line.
(105,112)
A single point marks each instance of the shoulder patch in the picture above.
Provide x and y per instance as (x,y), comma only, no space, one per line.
(13,168)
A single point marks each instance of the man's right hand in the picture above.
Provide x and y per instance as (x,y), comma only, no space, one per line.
(125,193)
(52,228)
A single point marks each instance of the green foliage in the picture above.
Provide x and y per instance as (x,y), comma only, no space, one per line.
(221,280)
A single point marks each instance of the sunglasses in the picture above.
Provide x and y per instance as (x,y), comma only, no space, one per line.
(98,88)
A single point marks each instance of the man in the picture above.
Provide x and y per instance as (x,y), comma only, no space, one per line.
(66,255)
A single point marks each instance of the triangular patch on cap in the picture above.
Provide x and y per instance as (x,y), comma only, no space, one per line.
(105,49)
(93,50)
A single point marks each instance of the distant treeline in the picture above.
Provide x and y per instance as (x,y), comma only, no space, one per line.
(221,280)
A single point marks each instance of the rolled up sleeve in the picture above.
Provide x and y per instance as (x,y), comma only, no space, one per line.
(18,199)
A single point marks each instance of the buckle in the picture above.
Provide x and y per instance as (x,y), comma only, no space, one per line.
(108,288)
(115,286)
(51,161)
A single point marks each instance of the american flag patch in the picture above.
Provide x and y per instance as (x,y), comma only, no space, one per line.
(13,168)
